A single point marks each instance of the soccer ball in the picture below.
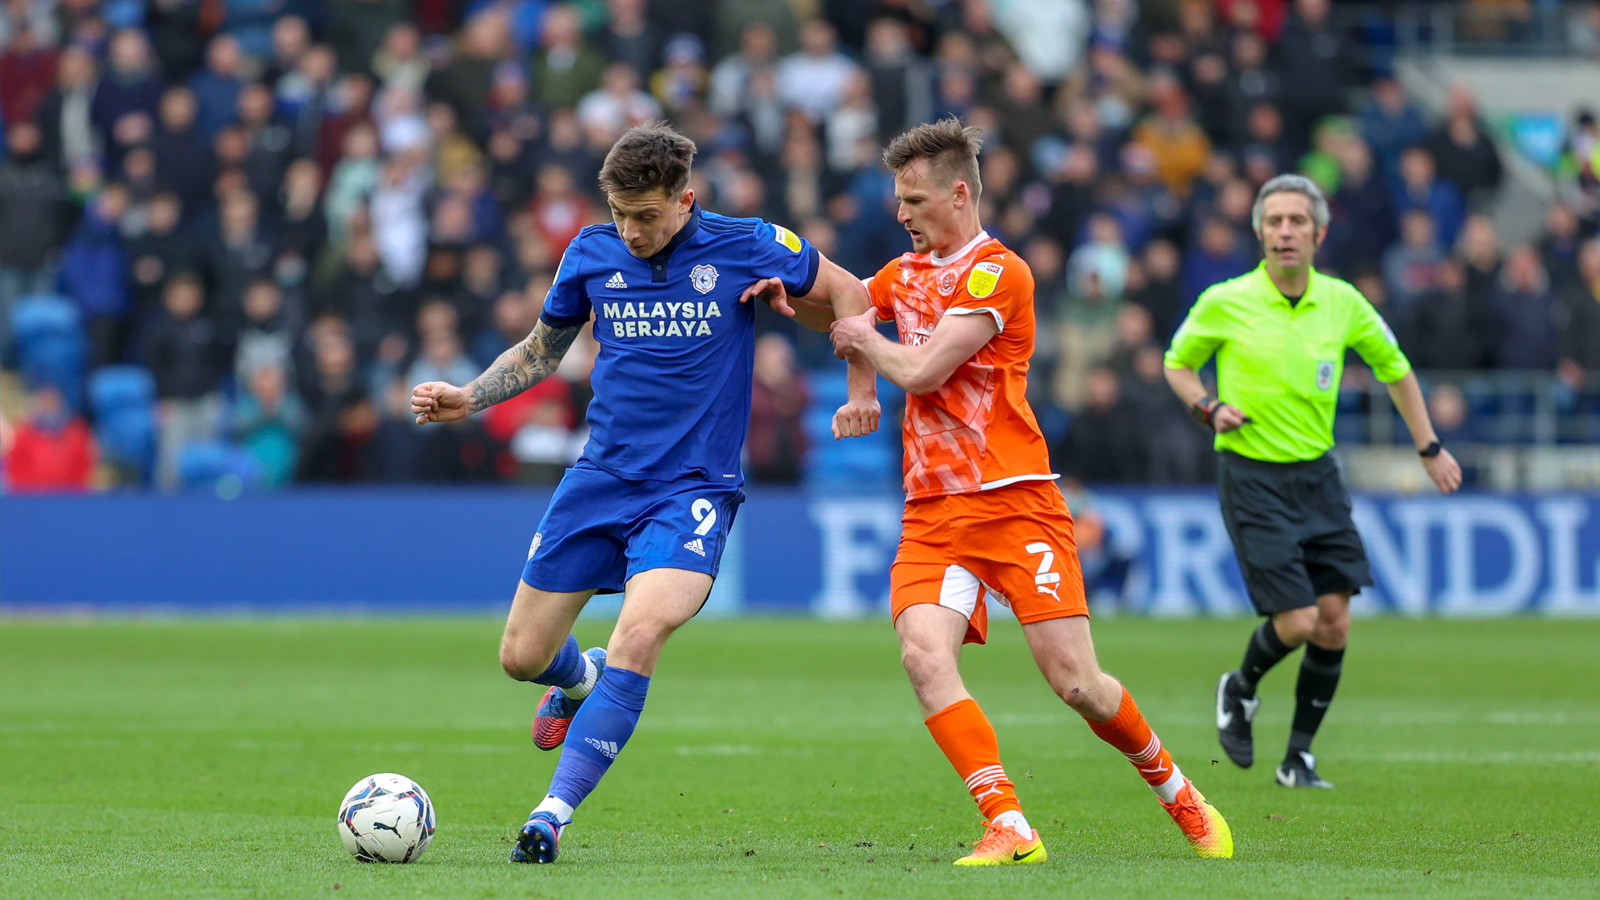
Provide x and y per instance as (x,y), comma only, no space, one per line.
(386,818)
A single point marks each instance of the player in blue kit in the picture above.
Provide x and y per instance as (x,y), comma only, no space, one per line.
(646,510)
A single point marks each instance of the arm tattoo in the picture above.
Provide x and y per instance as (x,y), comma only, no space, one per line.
(522,366)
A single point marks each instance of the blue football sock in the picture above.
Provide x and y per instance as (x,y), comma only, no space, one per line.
(566,669)
(598,733)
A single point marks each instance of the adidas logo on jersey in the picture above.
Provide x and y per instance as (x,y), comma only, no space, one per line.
(696,546)
(609,748)
(616,281)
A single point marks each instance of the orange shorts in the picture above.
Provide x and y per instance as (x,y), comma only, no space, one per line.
(1014,541)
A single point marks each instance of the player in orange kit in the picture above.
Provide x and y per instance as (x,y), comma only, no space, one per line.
(981,511)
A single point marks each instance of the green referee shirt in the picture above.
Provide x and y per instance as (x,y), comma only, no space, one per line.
(1281,364)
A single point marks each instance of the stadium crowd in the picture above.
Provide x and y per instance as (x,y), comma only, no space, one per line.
(233,233)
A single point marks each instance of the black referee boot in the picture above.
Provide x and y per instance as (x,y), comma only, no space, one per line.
(1234,714)
(1300,770)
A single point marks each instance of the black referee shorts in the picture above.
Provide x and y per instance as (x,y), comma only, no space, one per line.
(1291,529)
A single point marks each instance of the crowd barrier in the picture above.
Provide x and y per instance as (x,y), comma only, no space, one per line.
(461,550)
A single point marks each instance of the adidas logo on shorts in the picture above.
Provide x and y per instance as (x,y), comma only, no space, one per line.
(616,281)
(696,546)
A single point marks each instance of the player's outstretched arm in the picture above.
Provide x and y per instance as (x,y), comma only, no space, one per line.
(835,294)
(1441,467)
(919,369)
(517,369)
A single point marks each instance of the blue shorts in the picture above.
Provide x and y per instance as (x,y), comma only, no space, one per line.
(601,530)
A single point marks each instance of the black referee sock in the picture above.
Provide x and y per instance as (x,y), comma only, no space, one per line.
(1264,652)
(1319,678)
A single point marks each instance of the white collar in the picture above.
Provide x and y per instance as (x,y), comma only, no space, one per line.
(938,260)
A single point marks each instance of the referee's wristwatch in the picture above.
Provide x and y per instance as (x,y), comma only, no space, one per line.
(1204,408)
(1432,450)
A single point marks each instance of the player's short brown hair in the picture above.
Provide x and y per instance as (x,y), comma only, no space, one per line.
(950,148)
(648,157)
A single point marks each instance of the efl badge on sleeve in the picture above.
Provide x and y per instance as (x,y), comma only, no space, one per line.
(1324,374)
(786,237)
(983,279)
(704,278)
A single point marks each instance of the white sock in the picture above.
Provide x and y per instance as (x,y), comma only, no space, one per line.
(591,675)
(1015,821)
(559,807)
(1168,790)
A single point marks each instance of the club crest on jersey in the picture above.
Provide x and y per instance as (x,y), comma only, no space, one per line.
(704,278)
(1324,374)
(947,283)
(983,279)
(786,237)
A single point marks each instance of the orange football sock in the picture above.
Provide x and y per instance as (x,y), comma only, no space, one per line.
(963,732)
(1130,733)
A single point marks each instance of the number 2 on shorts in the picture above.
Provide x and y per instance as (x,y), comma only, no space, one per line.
(705,514)
(1045,579)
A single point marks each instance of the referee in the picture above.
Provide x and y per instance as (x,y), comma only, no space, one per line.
(1279,334)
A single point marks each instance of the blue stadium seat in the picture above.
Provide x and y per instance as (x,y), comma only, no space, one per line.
(51,349)
(123,400)
(212,465)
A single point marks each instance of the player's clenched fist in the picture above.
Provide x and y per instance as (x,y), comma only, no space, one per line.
(436,401)
(856,419)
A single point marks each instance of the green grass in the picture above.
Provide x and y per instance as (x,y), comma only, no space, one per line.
(780,759)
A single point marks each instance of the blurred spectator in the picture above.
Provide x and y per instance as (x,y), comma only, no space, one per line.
(1447,408)
(267,421)
(216,87)
(441,356)
(627,37)
(1523,314)
(559,210)
(1096,275)
(94,274)
(183,156)
(1479,248)
(399,221)
(730,78)
(565,66)
(33,218)
(1391,121)
(1160,292)
(66,114)
(52,449)
(617,105)
(1579,343)
(267,337)
(776,447)
(1315,64)
(464,83)
(1103,444)
(1363,221)
(1409,266)
(1559,246)
(156,252)
(815,78)
(680,83)
(352,180)
(1180,147)
(187,357)
(400,63)
(236,254)
(125,100)
(1578,172)
(1219,254)
(1464,155)
(269,139)
(27,72)
(1049,35)
(356,28)
(1420,189)
(902,82)
(1449,325)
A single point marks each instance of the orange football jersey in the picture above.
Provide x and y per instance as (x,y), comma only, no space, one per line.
(976,432)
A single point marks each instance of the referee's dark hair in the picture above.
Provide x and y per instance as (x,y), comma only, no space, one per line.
(647,158)
(950,148)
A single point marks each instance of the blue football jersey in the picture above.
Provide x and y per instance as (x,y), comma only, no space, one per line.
(677,348)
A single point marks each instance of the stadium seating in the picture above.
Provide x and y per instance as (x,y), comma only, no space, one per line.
(50,345)
(122,399)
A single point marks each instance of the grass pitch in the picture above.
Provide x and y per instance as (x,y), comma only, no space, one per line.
(781,759)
